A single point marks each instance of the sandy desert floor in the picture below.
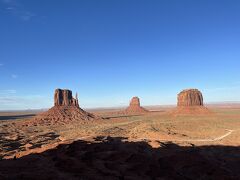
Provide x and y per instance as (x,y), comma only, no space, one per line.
(150,146)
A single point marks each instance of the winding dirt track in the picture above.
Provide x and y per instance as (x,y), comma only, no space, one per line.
(193,140)
(99,129)
(229,132)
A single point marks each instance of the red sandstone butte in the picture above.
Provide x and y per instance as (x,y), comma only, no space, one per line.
(63,97)
(190,97)
(65,110)
(135,106)
(190,102)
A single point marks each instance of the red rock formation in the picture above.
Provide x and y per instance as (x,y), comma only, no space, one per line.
(63,97)
(75,101)
(135,102)
(190,102)
(66,109)
(190,97)
(135,106)
(58,97)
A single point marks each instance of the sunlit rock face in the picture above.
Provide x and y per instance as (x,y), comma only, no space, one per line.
(135,107)
(190,97)
(190,102)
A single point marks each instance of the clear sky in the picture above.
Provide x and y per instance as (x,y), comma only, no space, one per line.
(111,50)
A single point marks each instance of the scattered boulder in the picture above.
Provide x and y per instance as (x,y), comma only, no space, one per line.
(190,102)
(135,106)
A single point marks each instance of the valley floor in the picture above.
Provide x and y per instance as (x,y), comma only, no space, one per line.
(192,143)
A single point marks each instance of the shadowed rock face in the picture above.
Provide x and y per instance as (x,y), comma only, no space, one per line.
(64,98)
(190,97)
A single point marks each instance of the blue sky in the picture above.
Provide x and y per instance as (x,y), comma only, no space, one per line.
(109,51)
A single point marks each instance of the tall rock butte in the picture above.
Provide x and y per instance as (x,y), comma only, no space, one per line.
(63,97)
(190,97)
(135,106)
(190,102)
(65,110)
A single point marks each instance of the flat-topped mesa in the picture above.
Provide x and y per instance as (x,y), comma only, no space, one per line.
(190,102)
(189,98)
(63,97)
(135,106)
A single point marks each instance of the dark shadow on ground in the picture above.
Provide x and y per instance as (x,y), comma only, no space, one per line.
(116,158)
(14,117)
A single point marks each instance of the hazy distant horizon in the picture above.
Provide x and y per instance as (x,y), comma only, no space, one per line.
(234,103)
(109,51)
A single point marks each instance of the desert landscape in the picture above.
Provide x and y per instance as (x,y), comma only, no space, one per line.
(187,142)
(119,90)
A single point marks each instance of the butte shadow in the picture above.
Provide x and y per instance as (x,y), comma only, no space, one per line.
(117,158)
